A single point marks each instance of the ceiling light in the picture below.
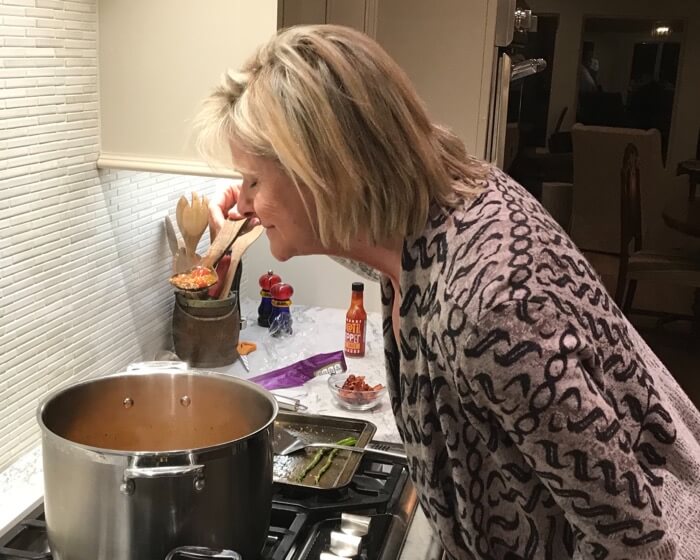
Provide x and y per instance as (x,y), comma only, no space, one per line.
(661,31)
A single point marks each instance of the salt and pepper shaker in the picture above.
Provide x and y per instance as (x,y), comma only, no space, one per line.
(266,282)
(281,318)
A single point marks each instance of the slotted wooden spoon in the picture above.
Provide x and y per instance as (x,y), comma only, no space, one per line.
(239,247)
(227,234)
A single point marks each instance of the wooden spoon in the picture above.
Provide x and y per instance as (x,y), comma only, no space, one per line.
(173,240)
(180,213)
(227,234)
(195,220)
(239,247)
(183,261)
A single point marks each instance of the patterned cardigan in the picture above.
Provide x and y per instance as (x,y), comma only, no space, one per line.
(537,422)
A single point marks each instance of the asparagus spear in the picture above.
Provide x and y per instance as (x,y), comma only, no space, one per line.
(315,461)
(319,455)
(327,464)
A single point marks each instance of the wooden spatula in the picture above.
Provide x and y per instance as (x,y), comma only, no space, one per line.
(173,240)
(227,234)
(239,247)
(183,260)
(195,220)
(180,214)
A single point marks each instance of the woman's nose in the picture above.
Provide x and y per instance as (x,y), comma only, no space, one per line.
(245,202)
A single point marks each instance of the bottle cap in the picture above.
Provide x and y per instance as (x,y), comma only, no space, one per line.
(358,287)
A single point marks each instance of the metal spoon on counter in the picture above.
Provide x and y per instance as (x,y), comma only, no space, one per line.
(289,403)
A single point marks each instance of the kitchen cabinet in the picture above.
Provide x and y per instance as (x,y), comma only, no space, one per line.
(159,59)
(358,14)
(446,48)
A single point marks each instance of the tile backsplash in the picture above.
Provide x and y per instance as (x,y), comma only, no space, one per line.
(83,255)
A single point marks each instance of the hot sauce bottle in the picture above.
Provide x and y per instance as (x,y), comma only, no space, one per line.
(356,323)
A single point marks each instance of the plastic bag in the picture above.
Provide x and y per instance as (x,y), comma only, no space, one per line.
(300,372)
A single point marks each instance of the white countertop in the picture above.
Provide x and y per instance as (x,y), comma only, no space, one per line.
(316,331)
(21,488)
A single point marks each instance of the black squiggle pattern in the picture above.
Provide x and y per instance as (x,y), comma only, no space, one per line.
(531,411)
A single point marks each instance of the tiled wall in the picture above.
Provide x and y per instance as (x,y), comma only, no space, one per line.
(83,257)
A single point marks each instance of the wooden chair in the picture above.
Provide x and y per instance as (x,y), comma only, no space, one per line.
(596,211)
(636,263)
(595,216)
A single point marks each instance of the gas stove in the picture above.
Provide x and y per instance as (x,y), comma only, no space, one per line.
(302,519)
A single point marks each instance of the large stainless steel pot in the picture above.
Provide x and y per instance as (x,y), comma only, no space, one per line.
(139,463)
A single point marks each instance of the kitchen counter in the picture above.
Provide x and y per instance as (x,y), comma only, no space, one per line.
(316,330)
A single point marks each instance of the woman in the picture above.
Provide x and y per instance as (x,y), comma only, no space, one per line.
(537,423)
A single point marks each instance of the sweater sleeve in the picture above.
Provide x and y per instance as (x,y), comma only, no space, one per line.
(594,441)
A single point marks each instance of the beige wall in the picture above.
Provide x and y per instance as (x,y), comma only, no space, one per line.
(686,121)
(158,60)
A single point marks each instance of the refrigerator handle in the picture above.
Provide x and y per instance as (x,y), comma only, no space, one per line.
(505,22)
(500,114)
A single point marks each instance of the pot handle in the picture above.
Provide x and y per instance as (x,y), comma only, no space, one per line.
(201,552)
(133,471)
(150,367)
(161,472)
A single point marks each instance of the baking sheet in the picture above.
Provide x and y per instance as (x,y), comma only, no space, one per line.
(324,429)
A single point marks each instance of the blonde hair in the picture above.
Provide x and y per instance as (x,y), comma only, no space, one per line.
(344,121)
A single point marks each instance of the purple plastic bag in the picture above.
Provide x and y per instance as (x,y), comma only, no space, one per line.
(300,372)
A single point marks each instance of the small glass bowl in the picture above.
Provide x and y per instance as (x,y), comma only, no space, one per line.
(355,400)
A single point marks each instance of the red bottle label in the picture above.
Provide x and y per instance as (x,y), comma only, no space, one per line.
(355,337)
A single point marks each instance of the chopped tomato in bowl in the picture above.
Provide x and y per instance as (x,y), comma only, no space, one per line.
(355,392)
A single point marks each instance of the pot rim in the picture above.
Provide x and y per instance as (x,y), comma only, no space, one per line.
(47,432)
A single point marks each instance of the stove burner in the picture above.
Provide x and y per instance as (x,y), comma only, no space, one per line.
(320,539)
(30,541)
(302,518)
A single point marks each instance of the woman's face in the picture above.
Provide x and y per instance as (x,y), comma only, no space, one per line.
(269,194)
